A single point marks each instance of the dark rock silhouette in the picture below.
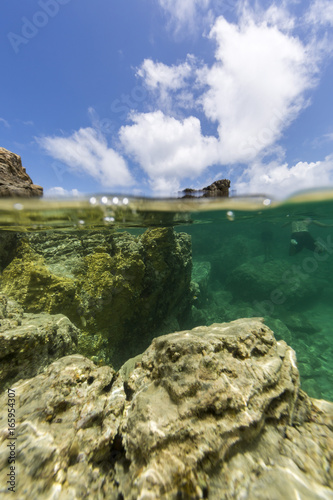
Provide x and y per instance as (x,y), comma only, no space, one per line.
(217,189)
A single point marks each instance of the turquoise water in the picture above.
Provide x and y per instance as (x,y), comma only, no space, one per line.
(240,267)
(244,263)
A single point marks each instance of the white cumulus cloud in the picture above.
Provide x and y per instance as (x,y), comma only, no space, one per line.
(159,75)
(168,149)
(256,87)
(281,180)
(169,84)
(86,151)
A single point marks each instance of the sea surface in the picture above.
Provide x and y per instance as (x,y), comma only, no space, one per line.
(241,262)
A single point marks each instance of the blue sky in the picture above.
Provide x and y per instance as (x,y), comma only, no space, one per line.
(147,97)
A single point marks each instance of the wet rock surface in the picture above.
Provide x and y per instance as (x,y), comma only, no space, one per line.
(30,342)
(214,412)
(14,180)
(120,290)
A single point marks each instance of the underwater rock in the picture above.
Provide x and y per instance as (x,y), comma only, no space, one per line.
(231,253)
(14,180)
(67,421)
(30,342)
(201,272)
(117,288)
(8,242)
(215,412)
(276,283)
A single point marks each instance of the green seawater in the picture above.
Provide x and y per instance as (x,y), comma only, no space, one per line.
(241,266)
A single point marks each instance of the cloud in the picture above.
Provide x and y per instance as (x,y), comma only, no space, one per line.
(168,149)
(86,151)
(256,87)
(6,124)
(57,191)
(159,75)
(186,13)
(320,13)
(283,180)
(169,84)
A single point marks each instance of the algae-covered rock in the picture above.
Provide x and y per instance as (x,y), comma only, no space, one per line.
(117,288)
(215,412)
(29,281)
(30,342)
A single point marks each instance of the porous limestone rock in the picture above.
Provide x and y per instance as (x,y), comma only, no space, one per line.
(14,180)
(120,290)
(30,342)
(215,412)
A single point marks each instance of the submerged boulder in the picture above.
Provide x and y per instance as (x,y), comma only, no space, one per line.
(215,412)
(30,342)
(117,288)
(276,282)
(14,180)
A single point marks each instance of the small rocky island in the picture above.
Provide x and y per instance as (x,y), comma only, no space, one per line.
(217,189)
(14,180)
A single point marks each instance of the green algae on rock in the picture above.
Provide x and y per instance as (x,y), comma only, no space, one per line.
(117,288)
(30,342)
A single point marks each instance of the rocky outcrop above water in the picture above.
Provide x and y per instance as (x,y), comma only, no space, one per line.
(215,412)
(14,180)
(217,189)
(120,290)
(30,342)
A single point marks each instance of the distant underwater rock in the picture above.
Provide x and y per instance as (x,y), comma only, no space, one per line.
(30,342)
(117,288)
(14,180)
(215,412)
(201,275)
(276,282)
(236,250)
